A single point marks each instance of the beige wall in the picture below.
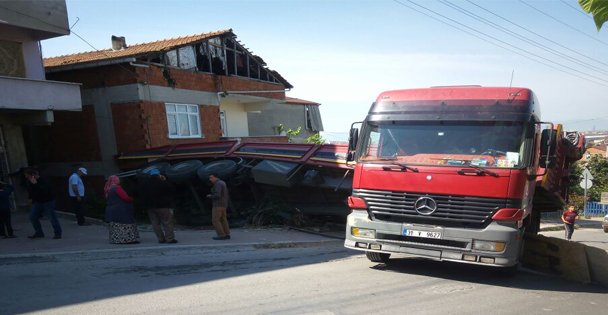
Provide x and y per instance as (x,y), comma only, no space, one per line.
(236,118)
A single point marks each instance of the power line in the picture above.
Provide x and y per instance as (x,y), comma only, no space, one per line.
(521,37)
(576,9)
(498,40)
(539,35)
(565,24)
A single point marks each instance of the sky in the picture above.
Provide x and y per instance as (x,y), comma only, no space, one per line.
(343,53)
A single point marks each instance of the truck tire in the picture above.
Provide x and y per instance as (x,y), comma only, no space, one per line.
(223,168)
(377,257)
(183,171)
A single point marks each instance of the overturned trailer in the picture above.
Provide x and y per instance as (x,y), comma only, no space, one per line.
(268,182)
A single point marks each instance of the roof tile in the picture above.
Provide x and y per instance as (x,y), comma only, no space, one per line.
(130,51)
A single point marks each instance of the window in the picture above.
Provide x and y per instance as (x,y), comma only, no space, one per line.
(183,121)
(223,123)
(484,144)
(183,57)
(312,118)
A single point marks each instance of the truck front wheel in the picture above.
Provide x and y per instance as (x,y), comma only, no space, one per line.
(377,257)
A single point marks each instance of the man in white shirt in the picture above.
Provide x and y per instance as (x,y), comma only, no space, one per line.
(76,191)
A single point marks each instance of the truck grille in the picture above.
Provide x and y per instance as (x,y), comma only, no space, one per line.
(452,211)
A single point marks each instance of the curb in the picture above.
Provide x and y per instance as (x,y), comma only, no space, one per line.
(127,248)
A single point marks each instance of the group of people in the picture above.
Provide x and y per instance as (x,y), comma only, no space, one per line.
(43,201)
(154,194)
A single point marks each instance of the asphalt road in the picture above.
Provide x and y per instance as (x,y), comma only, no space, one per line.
(321,278)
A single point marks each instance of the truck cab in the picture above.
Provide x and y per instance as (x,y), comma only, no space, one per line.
(448,173)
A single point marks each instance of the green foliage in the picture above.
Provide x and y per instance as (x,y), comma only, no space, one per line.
(292,133)
(598,167)
(280,128)
(599,10)
(315,139)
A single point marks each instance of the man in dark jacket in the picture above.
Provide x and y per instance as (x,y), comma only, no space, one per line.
(43,202)
(219,198)
(155,195)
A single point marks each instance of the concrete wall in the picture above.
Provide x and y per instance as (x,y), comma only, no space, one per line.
(42,19)
(291,116)
(33,61)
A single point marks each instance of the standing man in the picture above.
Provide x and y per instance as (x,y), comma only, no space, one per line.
(43,203)
(569,217)
(219,198)
(155,195)
(76,191)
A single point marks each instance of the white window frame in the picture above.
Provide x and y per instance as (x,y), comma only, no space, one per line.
(223,124)
(192,113)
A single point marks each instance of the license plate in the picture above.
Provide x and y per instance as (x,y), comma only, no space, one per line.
(425,234)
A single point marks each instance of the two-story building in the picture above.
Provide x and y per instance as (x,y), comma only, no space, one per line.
(192,89)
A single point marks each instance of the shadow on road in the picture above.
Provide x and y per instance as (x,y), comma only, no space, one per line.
(485,275)
(69,280)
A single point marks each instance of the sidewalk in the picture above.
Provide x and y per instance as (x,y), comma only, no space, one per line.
(94,237)
(555,224)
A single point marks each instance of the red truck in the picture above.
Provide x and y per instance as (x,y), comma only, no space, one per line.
(456,174)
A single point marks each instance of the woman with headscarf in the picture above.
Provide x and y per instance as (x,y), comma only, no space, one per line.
(119,213)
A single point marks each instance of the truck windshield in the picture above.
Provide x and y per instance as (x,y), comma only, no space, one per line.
(484,144)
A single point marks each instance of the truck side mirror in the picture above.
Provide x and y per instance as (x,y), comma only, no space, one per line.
(548,143)
(353,138)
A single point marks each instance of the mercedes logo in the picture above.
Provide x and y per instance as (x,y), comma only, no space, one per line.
(425,205)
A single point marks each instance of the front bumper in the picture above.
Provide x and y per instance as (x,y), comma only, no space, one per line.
(455,244)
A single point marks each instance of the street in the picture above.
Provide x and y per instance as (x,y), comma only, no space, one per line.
(307,278)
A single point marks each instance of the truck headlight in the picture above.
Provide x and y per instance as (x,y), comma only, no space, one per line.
(362,233)
(488,246)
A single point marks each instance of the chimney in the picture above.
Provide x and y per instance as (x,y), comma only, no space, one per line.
(118,42)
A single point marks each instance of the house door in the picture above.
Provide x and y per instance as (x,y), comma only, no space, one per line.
(223,123)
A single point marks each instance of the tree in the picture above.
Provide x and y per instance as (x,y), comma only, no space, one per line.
(598,167)
(599,10)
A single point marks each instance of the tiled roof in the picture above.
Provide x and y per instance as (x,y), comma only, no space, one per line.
(297,101)
(130,51)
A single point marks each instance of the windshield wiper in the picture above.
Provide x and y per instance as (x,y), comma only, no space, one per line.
(402,166)
(478,170)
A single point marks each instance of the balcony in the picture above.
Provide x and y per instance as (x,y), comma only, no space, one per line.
(27,94)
